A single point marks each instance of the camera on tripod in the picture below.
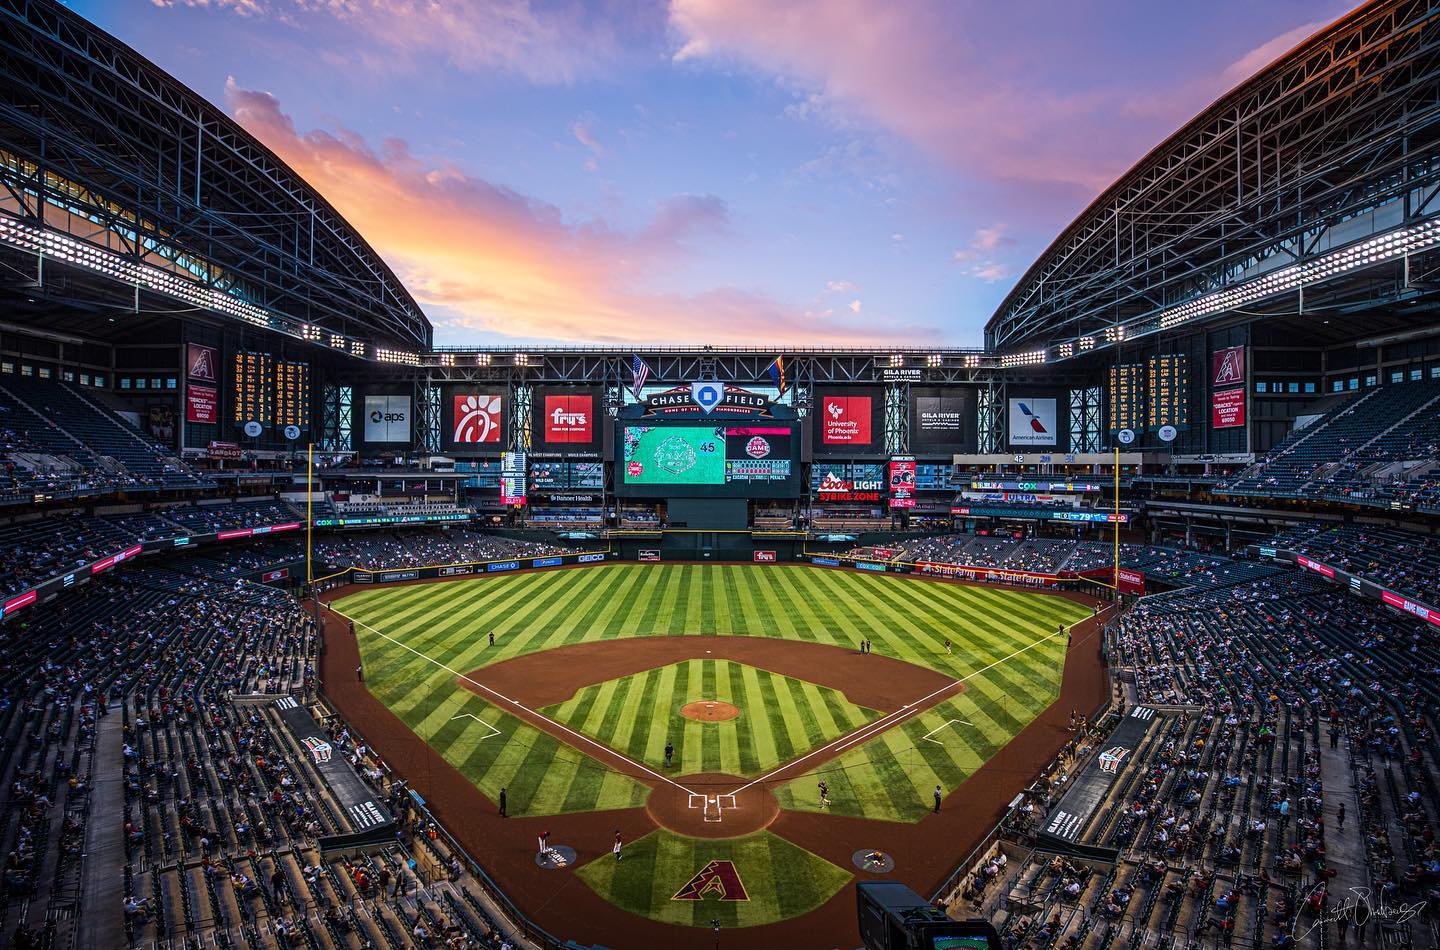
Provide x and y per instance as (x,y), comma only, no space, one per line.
(893,917)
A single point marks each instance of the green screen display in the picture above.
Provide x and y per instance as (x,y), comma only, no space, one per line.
(674,455)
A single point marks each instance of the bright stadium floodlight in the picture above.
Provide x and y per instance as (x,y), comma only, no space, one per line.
(482,359)
(1067,350)
(972,360)
(1030,358)
(1377,250)
(897,359)
(522,359)
(934,360)
(447,359)
(1087,343)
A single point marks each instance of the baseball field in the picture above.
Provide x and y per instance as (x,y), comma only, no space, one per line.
(757,678)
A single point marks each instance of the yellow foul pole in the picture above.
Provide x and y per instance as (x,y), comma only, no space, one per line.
(1115,577)
(309,508)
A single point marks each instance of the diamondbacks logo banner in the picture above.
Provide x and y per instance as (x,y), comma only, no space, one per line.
(1227,366)
(716,879)
(200,362)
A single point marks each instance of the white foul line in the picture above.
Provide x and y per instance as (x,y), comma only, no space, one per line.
(948,722)
(880,725)
(493,731)
(585,739)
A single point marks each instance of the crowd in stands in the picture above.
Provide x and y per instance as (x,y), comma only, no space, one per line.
(160,686)
(55,438)
(419,548)
(1283,708)
(1403,561)
(1371,447)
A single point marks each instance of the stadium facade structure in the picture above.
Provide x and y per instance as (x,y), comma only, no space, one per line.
(1302,202)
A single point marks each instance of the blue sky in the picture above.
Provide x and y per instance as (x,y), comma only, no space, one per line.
(696,171)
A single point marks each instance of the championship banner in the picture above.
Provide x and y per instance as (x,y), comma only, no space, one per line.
(202,404)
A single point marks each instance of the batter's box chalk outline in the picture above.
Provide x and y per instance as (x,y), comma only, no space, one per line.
(945,725)
(493,731)
(714,805)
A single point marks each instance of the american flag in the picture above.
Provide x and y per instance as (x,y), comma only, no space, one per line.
(641,373)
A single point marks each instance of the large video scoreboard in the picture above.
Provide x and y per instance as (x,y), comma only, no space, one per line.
(750,459)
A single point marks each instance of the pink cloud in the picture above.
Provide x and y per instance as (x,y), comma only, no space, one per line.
(925,70)
(491,259)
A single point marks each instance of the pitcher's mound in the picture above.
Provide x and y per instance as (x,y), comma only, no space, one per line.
(709,710)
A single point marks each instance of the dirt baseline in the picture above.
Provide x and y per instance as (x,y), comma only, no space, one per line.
(553,676)
(709,710)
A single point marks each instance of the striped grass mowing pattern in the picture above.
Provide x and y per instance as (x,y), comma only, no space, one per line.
(780,718)
(447,622)
(781,879)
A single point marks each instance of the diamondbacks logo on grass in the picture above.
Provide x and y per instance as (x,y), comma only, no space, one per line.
(1110,759)
(718,879)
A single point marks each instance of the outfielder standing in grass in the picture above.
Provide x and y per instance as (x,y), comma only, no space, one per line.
(824,794)
(616,847)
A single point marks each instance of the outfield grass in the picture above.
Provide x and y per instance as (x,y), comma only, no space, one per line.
(780,718)
(781,879)
(909,620)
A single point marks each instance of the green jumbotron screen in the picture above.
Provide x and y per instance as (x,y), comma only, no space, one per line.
(674,455)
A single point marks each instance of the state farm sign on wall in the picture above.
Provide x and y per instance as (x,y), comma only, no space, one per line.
(570,419)
(845,420)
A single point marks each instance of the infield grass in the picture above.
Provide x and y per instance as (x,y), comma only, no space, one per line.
(780,717)
(999,635)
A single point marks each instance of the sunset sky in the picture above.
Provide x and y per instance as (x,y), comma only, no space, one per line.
(752,172)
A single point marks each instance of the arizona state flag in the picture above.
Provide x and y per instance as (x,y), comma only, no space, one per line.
(777,374)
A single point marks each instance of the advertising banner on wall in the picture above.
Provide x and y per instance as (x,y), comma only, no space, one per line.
(845,420)
(850,483)
(849,421)
(387,419)
(200,362)
(567,420)
(1033,421)
(475,418)
(902,482)
(943,420)
(1227,408)
(202,404)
